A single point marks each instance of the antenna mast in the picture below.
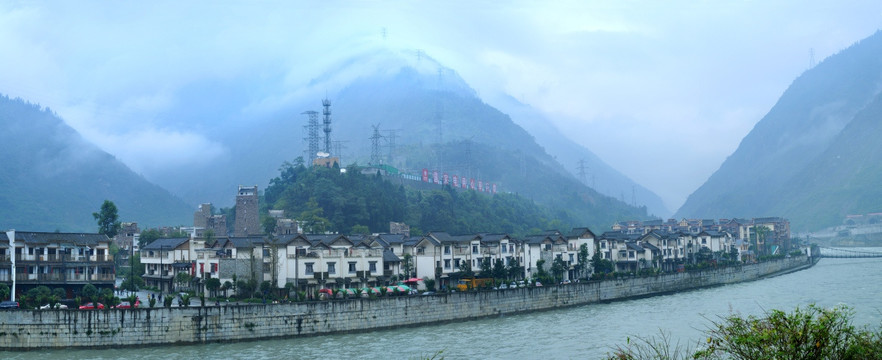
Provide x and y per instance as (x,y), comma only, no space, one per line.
(327,121)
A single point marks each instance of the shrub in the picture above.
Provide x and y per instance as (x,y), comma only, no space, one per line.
(810,333)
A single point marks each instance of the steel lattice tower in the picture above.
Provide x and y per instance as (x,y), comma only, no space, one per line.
(327,122)
(312,136)
(376,158)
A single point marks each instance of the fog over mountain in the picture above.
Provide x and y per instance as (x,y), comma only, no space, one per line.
(662,92)
(53,179)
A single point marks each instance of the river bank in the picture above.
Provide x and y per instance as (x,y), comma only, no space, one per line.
(32,329)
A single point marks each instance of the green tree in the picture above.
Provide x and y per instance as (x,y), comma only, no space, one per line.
(148,236)
(4,292)
(558,268)
(213,285)
(601,266)
(268,224)
(515,270)
(465,268)
(486,267)
(582,257)
(90,292)
(108,219)
(499,269)
(407,265)
(183,279)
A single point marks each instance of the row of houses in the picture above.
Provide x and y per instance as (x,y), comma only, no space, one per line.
(56,260)
(771,233)
(313,261)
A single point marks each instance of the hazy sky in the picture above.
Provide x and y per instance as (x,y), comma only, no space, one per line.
(661,90)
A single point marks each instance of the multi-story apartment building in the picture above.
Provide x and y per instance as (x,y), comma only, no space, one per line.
(163,259)
(65,260)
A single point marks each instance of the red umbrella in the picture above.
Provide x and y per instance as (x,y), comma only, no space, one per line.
(413,280)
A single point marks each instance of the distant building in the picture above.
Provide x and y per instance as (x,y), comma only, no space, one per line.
(247,217)
(399,228)
(57,260)
(204,219)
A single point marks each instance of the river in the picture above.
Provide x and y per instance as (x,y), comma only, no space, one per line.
(584,332)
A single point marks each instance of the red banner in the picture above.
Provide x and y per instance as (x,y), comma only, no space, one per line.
(480,185)
(425,175)
(472,183)
(446,179)
(455,181)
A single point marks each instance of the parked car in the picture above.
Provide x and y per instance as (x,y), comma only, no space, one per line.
(128,305)
(565,282)
(57,306)
(521,283)
(9,305)
(427,293)
(89,306)
(538,284)
(503,286)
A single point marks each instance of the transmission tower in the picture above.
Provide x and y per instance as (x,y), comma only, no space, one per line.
(376,158)
(390,143)
(582,173)
(811,58)
(312,136)
(339,145)
(327,122)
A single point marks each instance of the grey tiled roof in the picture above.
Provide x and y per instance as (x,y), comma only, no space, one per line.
(76,239)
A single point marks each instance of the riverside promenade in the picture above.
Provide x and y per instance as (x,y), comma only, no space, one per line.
(40,329)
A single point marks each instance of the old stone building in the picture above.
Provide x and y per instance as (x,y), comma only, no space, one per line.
(247,217)
(203,218)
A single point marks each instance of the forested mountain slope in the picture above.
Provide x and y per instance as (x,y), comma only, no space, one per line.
(52,179)
(778,167)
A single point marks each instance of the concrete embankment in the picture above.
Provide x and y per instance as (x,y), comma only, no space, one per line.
(40,329)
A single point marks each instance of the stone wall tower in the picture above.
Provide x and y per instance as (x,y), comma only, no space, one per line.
(247,217)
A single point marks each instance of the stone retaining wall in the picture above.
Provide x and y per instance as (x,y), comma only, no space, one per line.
(33,329)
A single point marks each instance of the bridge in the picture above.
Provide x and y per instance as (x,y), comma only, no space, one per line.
(829,252)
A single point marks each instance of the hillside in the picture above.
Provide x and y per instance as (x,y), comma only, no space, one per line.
(599,175)
(55,180)
(429,107)
(783,166)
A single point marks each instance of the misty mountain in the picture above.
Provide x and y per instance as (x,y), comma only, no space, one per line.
(598,174)
(813,157)
(421,107)
(53,179)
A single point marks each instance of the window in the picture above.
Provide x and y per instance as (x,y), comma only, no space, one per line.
(309,270)
(447,250)
(214,268)
(332,268)
(504,249)
(301,252)
(447,263)
(603,244)
(372,266)
(267,267)
(511,248)
(266,252)
(571,257)
(548,247)
(456,262)
(352,267)
(474,249)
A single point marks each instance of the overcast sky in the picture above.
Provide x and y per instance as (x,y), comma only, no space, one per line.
(662,90)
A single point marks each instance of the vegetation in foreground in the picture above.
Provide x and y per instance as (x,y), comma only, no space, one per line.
(810,333)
